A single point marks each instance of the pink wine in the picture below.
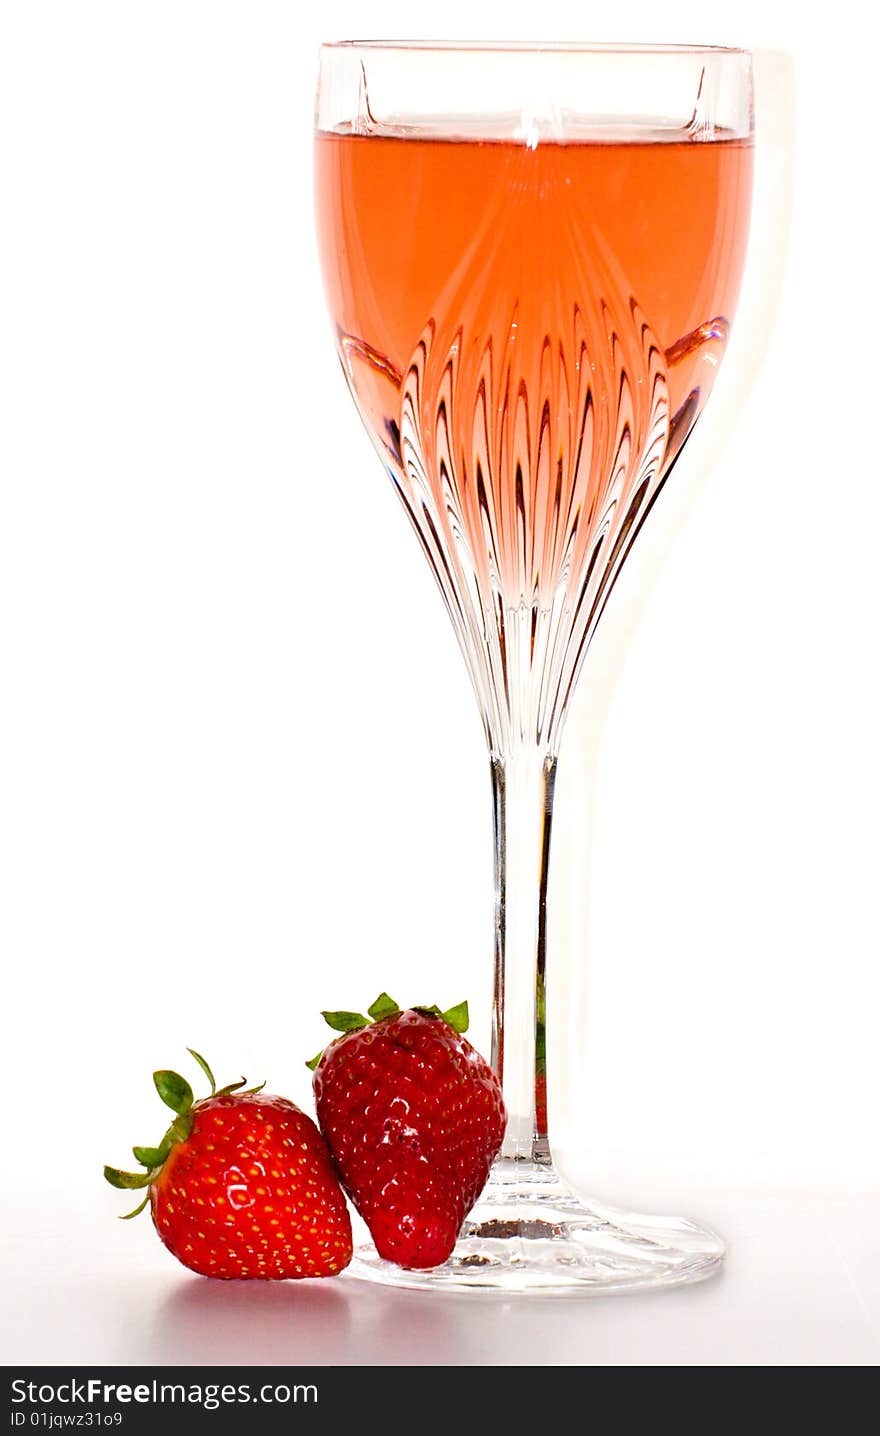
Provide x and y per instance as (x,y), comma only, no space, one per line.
(530,334)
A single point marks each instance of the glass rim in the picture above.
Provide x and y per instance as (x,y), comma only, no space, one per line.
(535,47)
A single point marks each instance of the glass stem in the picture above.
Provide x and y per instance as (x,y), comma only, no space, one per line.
(522,787)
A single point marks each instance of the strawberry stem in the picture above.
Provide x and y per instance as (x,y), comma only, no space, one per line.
(456,1017)
(127,1181)
(150,1156)
(127,1216)
(174,1090)
(205,1068)
(177,1094)
(384,1006)
(345,1021)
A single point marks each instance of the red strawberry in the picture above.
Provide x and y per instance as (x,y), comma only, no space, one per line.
(241,1185)
(414,1118)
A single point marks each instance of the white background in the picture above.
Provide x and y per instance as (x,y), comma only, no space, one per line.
(241,773)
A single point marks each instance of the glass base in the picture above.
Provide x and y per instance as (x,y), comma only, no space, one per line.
(530,1233)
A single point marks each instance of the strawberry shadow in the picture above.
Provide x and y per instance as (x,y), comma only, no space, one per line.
(338,1322)
(215,1323)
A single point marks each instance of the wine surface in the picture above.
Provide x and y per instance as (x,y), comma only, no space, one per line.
(530,333)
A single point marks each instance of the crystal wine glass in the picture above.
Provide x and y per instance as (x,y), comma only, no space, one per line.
(532,256)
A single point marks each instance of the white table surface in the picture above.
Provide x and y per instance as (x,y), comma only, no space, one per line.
(801,1286)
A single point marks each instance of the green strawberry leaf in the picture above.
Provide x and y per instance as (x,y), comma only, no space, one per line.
(458,1017)
(127,1216)
(315,1060)
(178,1132)
(174,1090)
(345,1021)
(230,1087)
(429,1011)
(205,1068)
(384,1006)
(150,1156)
(253,1090)
(126,1181)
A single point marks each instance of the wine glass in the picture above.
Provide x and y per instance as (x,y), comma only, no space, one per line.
(532,256)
